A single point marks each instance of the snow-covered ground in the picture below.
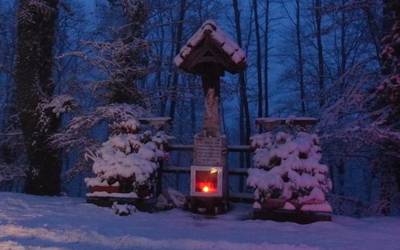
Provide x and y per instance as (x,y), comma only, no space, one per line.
(31,222)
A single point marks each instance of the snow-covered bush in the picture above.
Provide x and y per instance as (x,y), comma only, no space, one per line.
(287,172)
(123,209)
(128,160)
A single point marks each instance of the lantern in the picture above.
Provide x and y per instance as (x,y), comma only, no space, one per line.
(206,181)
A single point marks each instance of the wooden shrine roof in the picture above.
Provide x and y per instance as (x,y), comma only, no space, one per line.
(210,45)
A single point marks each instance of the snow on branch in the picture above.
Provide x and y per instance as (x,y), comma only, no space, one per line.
(54,106)
(77,131)
(123,63)
(58,104)
(361,113)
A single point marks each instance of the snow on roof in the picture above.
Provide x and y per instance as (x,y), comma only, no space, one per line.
(210,29)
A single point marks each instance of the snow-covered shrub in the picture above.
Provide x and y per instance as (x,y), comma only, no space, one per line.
(287,172)
(123,209)
(128,160)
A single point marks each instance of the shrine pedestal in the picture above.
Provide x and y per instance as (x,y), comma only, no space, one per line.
(209,175)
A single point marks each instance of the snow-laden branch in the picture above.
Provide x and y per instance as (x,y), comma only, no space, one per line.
(76,133)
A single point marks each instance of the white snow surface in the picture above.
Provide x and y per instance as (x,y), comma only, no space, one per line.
(59,223)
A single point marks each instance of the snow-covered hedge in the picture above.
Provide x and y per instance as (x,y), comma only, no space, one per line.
(288,172)
(127,160)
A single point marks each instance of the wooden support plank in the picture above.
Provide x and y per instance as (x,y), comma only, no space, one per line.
(239,148)
(177,147)
(173,169)
(189,147)
(238,171)
(270,123)
(156,122)
(242,197)
(176,170)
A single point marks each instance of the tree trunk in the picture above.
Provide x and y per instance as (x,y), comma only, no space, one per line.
(178,42)
(321,74)
(266,59)
(34,64)
(164,98)
(259,64)
(242,83)
(244,121)
(300,59)
(343,54)
(375,32)
(160,64)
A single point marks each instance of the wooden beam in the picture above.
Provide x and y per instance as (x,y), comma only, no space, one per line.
(270,123)
(157,122)
(239,148)
(188,147)
(238,171)
(249,197)
(173,169)
(176,169)
(177,147)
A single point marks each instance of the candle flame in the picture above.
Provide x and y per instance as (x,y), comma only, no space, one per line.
(206,189)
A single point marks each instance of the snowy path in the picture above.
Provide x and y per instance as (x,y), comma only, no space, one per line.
(30,222)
